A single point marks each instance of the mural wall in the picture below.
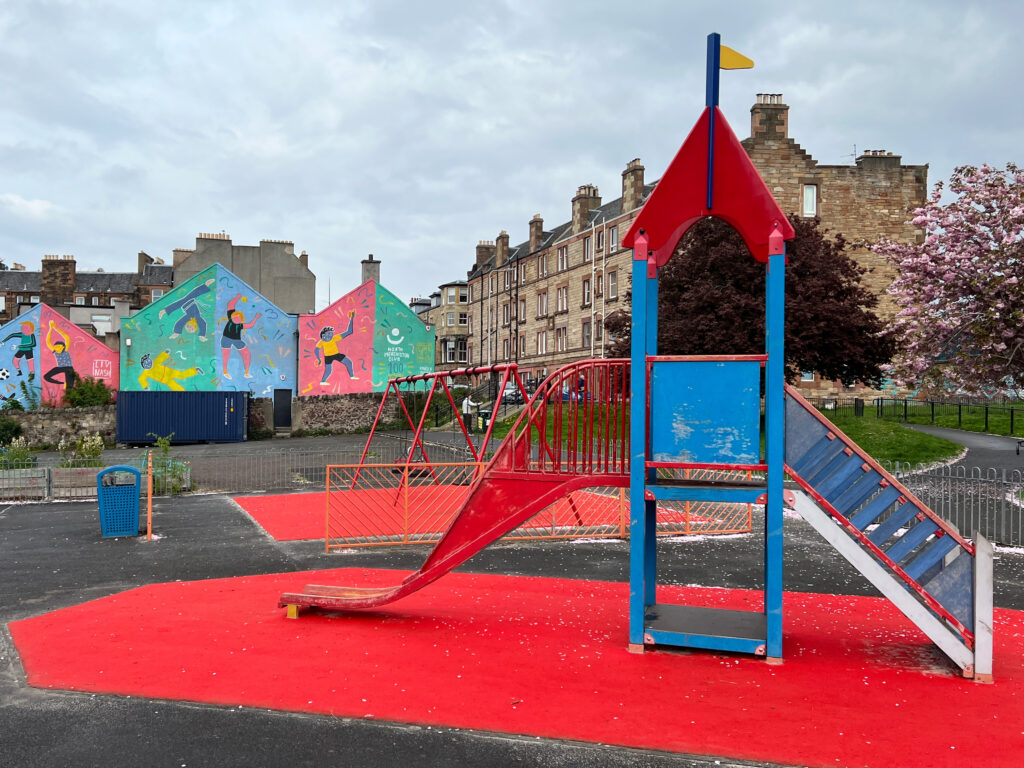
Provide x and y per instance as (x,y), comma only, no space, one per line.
(42,354)
(213,332)
(360,341)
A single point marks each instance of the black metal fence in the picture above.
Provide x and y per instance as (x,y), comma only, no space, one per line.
(994,418)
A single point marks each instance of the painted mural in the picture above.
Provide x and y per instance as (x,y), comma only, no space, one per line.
(42,354)
(212,333)
(359,342)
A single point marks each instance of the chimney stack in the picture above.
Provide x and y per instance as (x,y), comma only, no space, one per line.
(485,250)
(371,269)
(536,232)
(632,185)
(502,243)
(180,254)
(587,198)
(304,259)
(58,280)
(769,118)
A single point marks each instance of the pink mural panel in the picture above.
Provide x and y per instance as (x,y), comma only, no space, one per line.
(67,352)
(336,345)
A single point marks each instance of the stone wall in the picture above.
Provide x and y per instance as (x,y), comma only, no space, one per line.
(340,413)
(261,414)
(48,425)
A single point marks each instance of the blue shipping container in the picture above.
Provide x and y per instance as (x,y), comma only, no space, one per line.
(192,417)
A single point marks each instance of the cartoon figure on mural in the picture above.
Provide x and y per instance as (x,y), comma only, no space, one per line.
(160,372)
(59,348)
(329,342)
(26,347)
(232,338)
(191,317)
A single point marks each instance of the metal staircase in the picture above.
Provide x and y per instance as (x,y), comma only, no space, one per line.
(937,578)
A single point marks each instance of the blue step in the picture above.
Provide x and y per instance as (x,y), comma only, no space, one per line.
(911,540)
(875,507)
(898,519)
(848,499)
(824,471)
(936,549)
(814,461)
(842,477)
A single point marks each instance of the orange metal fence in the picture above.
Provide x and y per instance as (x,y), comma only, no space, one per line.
(382,504)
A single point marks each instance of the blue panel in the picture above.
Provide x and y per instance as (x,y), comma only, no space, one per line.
(875,508)
(953,587)
(706,412)
(192,417)
(937,549)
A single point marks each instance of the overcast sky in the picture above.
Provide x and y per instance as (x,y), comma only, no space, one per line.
(414,129)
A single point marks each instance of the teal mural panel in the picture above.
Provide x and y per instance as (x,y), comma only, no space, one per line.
(402,344)
(212,333)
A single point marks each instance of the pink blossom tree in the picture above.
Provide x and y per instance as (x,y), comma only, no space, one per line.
(960,293)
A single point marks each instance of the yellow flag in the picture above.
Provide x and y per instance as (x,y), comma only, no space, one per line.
(730,59)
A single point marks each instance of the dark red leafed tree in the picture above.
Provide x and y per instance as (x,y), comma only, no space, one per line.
(711,301)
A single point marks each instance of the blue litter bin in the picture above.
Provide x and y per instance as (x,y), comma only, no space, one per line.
(117,489)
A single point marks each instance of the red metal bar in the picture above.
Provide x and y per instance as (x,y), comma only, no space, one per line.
(706,359)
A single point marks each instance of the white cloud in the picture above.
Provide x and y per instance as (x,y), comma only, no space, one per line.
(18,206)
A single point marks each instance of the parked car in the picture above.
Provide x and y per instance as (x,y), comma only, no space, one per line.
(511,395)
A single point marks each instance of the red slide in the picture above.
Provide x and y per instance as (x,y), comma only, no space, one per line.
(521,480)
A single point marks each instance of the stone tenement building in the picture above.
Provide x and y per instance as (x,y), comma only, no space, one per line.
(94,300)
(271,267)
(541,303)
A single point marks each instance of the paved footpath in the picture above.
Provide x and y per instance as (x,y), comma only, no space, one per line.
(985,451)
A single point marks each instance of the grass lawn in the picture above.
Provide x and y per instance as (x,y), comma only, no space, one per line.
(883,440)
(888,441)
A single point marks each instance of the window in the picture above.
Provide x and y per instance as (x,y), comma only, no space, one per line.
(463,318)
(561,338)
(542,265)
(598,285)
(563,258)
(470,294)
(469,322)
(542,342)
(469,354)
(508,278)
(95,301)
(450,299)
(598,328)
(586,291)
(506,314)
(460,350)
(810,203)
(449,351)
(586,333)
(542,304)
(613,238)
(562,298)
(490,286)
(3,303)
(451,319)
(490,318)
(462,294)
(34,299)
(807,376)
(586,248)
(505,347)
(600,239)
(515,275)
(80,300)
(522,310)
(157,293)
(522,345)
(613,285)
(21,299)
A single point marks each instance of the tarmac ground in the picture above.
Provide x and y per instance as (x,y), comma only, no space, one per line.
(52,556)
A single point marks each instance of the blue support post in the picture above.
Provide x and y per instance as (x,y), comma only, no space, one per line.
(650,505)
(775,300)
(638,517)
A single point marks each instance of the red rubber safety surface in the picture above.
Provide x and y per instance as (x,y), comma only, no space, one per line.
(547,657)
(302,516)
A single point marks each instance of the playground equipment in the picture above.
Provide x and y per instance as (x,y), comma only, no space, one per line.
(704,413)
